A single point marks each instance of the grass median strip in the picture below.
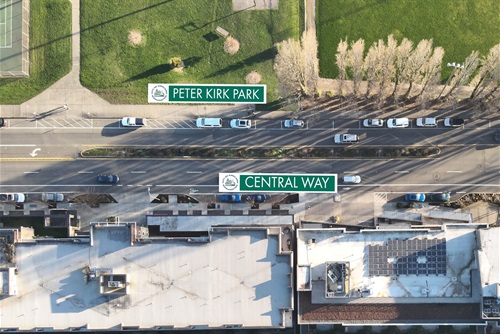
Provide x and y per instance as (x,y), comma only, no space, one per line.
(262,153)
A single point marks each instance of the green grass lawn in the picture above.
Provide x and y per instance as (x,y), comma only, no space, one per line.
(120,72)
(459,26)
(50,54)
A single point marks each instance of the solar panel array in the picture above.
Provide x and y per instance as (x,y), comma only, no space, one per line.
(408,257)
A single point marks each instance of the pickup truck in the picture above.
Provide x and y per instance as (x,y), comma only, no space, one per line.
(133,121)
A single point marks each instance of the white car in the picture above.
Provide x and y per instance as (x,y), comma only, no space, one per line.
(373,122)
(345,139)
(52,197)
(398,122)
(428,121)
(133,121)
(351,179)
(240,123)
(293,123)
(14,197)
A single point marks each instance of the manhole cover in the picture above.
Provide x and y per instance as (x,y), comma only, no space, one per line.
(436,176)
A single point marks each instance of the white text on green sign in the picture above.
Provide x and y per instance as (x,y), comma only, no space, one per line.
(306,183)
(193,93)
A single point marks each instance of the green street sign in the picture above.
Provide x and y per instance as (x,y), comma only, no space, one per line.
(193,93)
(302,183)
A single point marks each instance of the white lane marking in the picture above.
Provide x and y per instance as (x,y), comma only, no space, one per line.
(454,171)
(20,145)
(193,172)
(401,171)
(351,172)
(138,172)
(31,172)
(83,172)
(461,192)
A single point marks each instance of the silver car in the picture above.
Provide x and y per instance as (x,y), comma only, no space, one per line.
(293,123)
(373,122)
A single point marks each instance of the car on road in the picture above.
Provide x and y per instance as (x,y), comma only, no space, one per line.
(293,123)
(351,179)
(373,122)
(240,123)
(496,136)
(415,197)
(257,198)
(345,138)
(133,121)
(13,197)
(426,122)
(441,197)
(398,122)
(52,197)
(231,198)
(454,122)
(108,178)
(2,122)
(209,122)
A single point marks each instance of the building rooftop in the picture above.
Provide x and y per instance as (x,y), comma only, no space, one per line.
(390,267)
(240,278)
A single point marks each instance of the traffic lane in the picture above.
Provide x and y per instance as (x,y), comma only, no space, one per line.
(376,174)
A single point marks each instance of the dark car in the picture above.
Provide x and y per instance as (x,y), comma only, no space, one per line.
(2,122)
(233,198)
(111,178)
(454,122)
(414,197)
(257,198)
(497,135)
(441,197)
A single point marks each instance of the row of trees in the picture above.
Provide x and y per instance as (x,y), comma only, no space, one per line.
(387,70)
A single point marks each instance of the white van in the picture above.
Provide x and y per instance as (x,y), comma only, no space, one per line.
(209,122)
(351,179)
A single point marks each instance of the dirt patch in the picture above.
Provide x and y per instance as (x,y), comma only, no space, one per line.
(135,37)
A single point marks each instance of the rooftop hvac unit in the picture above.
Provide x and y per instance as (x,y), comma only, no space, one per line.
(114,284)
(487,310)
(425,290)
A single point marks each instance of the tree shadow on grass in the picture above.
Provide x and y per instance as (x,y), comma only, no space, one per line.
(257,58)
(159,69)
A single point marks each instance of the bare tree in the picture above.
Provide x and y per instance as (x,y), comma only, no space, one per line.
(388,65)
(297,66)
(489,72)
(469,67)
(355,58)
(342,62)
(417,60)
(372,65)
(403,52)
(432,71)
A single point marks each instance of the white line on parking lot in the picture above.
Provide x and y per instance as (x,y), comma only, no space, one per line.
(138,172)
(351,172)
(193,172)
(454,171)
(84,172)
(401,171)
(31,172)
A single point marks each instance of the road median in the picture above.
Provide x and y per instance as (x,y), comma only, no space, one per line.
(262,152)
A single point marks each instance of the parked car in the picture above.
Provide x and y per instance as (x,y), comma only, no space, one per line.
(351,179)
(2,122)
(345,138)
(454,122)
(398,122)
(108,178)
(293,123)
(231,198)
(441,197)
(257,198)
(52,197)
(415,197)
(426,122)
(209,122)
(133,121)
(373,122)
(240,123)
(13,197)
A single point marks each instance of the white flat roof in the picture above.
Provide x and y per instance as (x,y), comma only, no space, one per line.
(489,261)
(236,279)
(335,245)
